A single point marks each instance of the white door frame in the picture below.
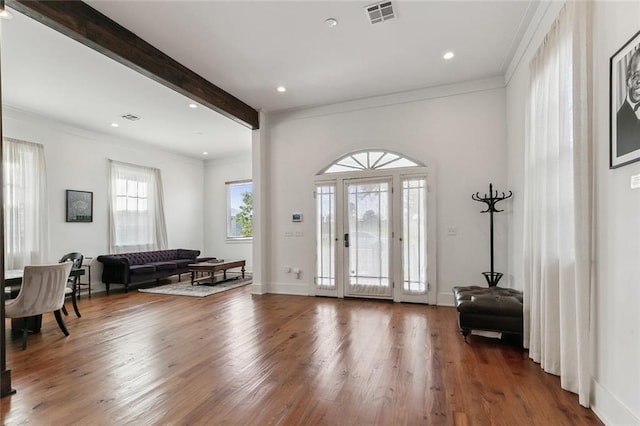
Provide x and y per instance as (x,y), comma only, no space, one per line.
(397,175)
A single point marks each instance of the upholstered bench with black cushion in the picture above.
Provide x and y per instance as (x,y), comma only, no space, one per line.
(488,309)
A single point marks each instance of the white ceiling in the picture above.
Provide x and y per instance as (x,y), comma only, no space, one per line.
(248,48)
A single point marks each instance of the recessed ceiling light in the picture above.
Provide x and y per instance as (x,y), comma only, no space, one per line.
(192,105)
(331,23)
(448,55)
(281,89)
(115,125)
(205,153)
(5,14)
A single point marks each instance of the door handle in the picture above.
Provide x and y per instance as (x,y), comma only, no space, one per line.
(346,240)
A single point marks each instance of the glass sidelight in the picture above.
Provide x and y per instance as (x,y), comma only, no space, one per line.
(325,237)
(414,236)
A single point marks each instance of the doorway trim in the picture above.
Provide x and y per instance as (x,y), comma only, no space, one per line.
(336,179)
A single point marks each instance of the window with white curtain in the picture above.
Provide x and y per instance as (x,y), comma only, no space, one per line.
(136,208)
(25,204)
(558,223)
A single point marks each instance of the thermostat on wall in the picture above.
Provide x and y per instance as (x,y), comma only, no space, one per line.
(296,217)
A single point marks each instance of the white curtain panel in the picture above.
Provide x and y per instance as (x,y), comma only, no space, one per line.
(136,208)
(161,224)
(558,203)
(25,204)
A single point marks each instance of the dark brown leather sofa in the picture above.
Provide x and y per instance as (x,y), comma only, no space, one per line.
(488,309)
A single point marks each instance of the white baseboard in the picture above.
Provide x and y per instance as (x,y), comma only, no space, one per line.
(609,409)
(288,288)
(445,299)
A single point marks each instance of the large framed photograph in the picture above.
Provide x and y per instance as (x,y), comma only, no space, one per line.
(624,104)
(79,206)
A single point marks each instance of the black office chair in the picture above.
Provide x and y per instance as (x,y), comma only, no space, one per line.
(76,258)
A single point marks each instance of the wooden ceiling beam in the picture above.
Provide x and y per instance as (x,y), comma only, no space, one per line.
(82,23)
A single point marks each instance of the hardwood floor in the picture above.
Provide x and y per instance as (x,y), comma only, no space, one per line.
(234,358)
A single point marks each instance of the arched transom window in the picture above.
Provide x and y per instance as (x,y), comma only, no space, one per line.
(370,160)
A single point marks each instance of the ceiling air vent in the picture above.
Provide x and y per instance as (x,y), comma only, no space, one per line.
(379,12)
(130,117)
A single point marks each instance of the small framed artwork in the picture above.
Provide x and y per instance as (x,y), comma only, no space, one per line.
(79,206)
(624,104)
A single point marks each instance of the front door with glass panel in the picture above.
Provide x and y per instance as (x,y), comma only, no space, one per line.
(367,238)
(372,241)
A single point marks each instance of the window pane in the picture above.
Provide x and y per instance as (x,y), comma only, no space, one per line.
(399,162)
(132,188)
(121,187)
(369,236)
(361,157)
(351,163)
(143,189)
(121,203)
(374,157)
(337,168)
(132,204)
(371,160)
(239,210)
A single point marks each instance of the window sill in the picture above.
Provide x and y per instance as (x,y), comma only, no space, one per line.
(239,240)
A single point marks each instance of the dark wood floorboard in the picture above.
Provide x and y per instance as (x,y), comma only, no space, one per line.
(238,359)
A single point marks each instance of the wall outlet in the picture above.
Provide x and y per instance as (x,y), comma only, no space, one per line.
(452,231)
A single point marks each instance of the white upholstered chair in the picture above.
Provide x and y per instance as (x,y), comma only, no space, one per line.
(42,290)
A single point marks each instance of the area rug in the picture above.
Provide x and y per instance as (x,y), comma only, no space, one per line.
(186,289)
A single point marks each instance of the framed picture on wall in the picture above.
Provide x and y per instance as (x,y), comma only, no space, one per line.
(624,104)
(79,206)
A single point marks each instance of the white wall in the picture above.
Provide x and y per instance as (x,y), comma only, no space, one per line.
(77,159)
(616,319)
(457,131)
(216,173)
(617,366)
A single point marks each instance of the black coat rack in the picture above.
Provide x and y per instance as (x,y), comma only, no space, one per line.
(491,277)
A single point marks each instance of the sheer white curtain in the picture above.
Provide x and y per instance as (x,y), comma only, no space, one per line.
(558,203)
(25,204)
(136,219)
